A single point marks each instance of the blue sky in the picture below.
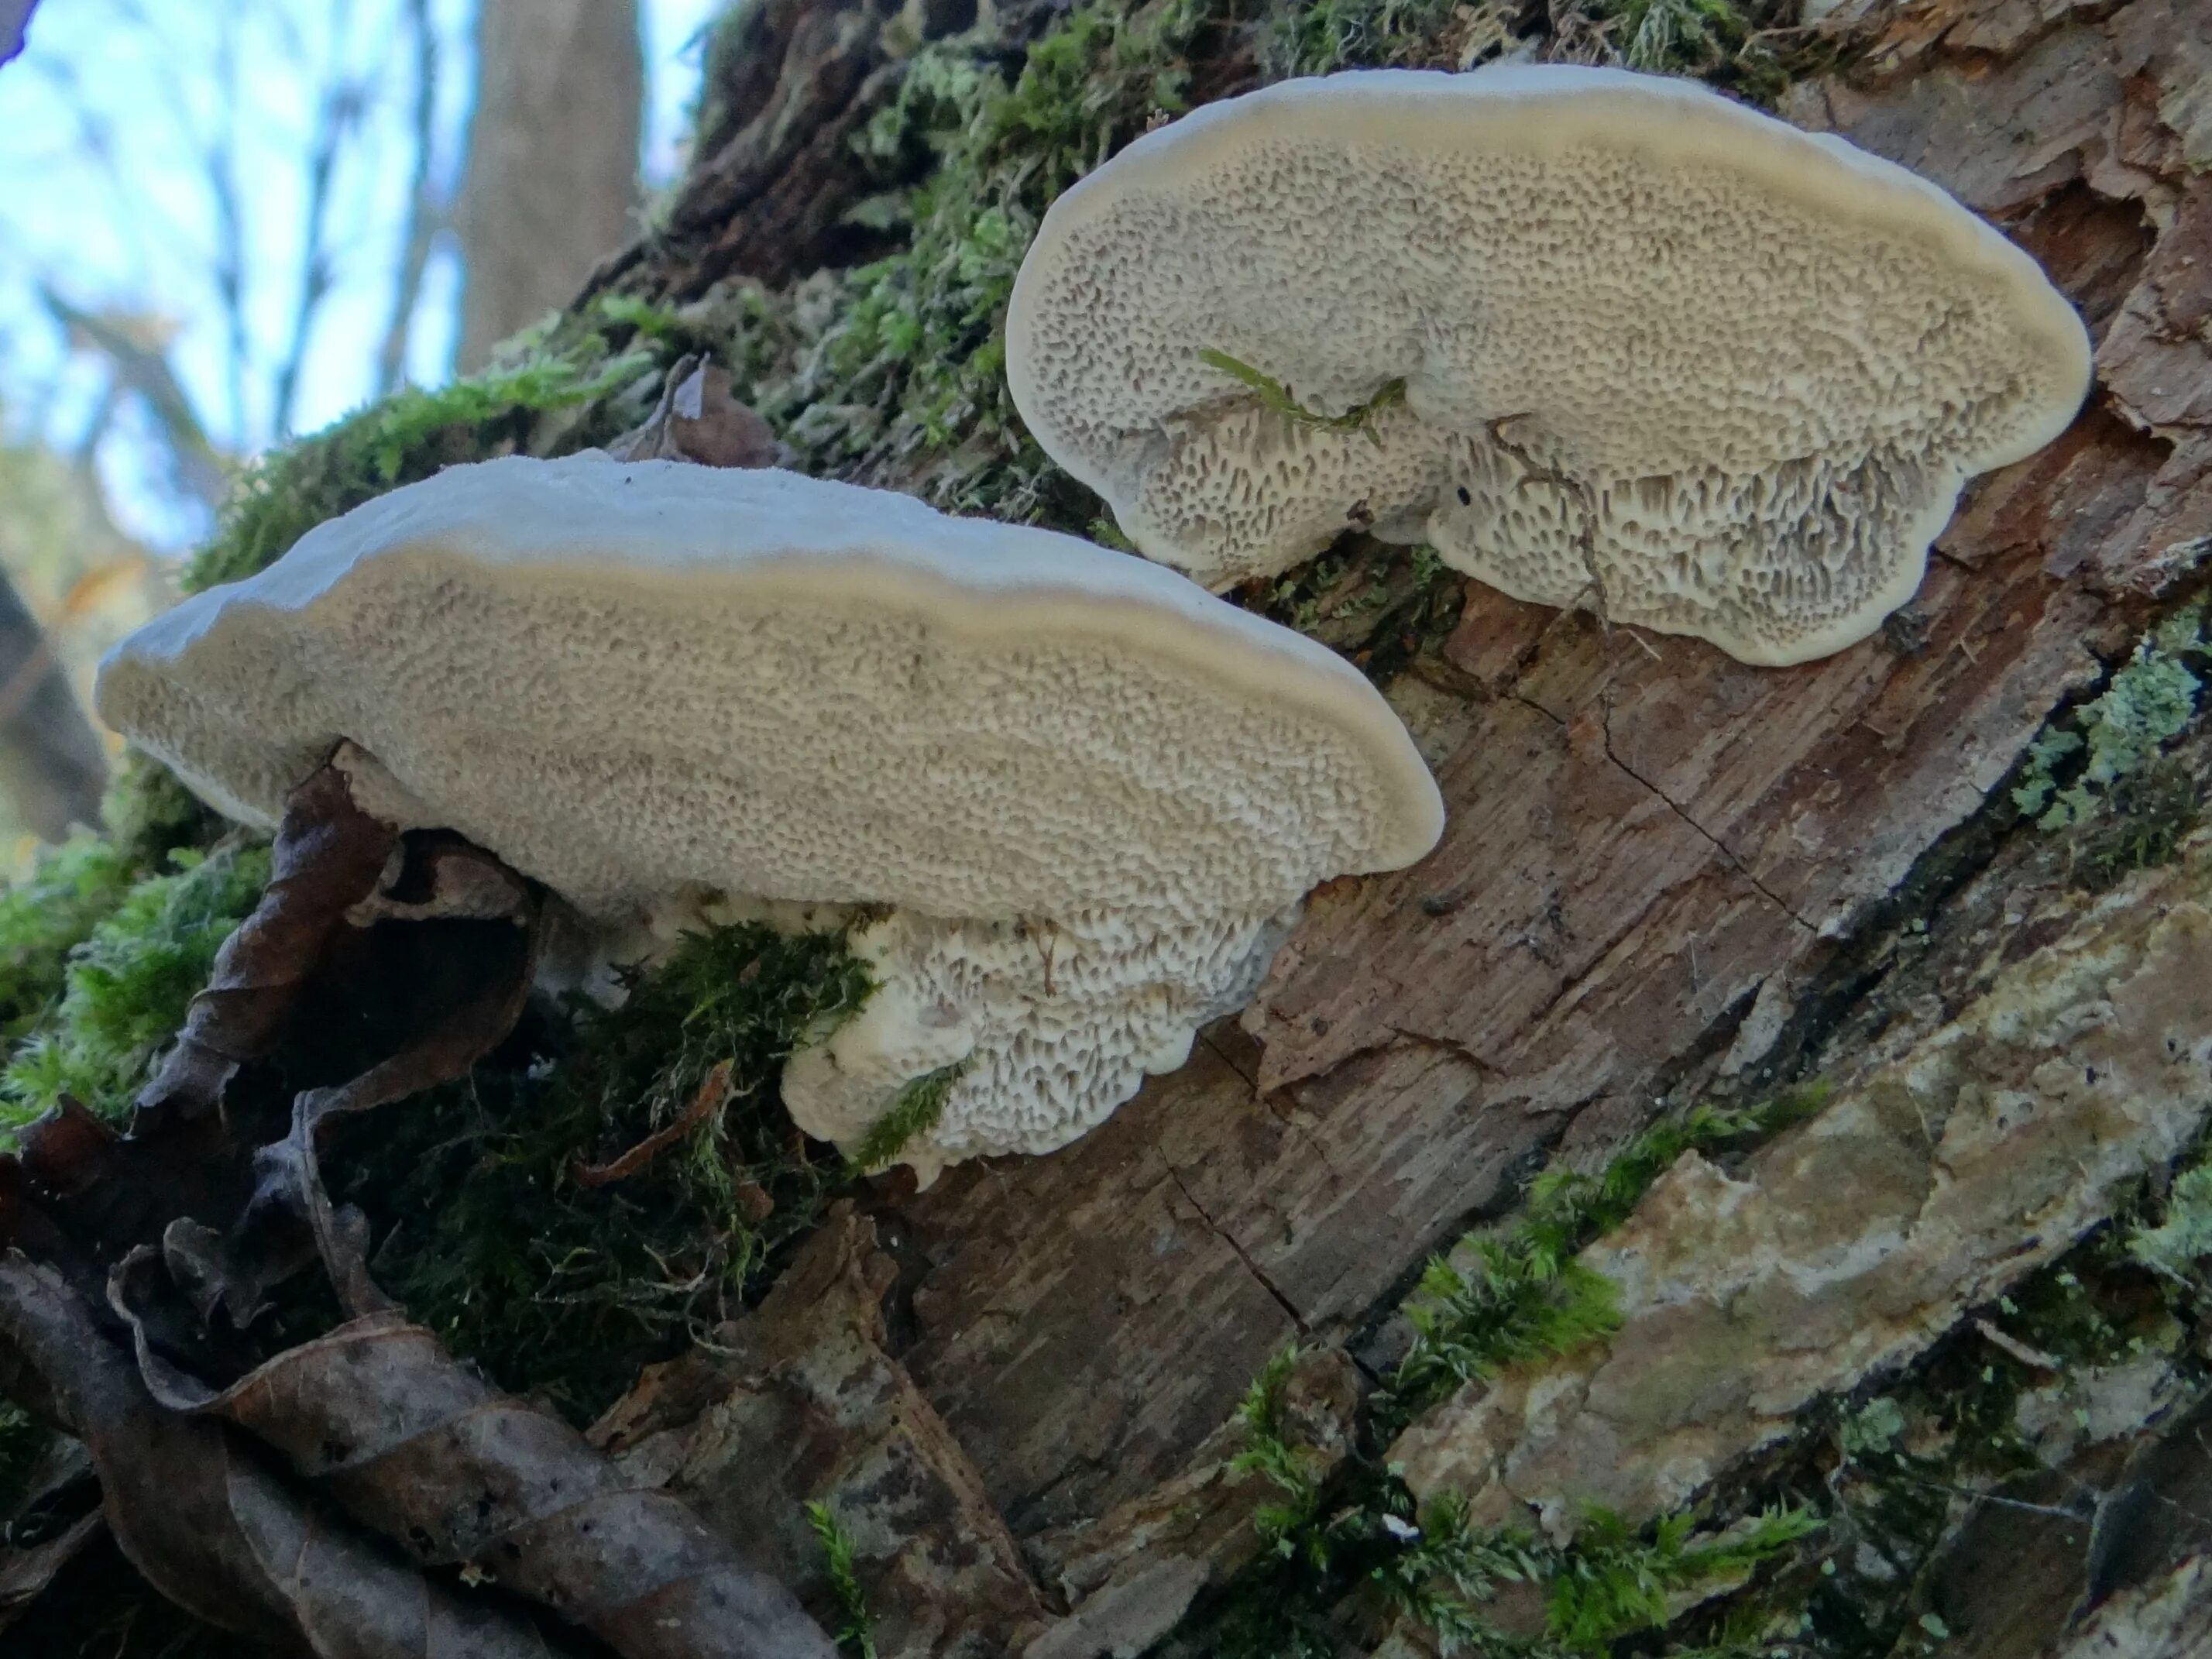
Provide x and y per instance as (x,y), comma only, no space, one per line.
(105,126)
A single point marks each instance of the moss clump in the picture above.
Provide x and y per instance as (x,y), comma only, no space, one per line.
(1727,42)
(126,987)
(919,1109)
(1520,1295)
(857,1636)
(1718,40)
(404,438)
(149,814)
(71,891)
(1330,35)
(2181,1240)
(867,372)
(2075,770)
(564,1288)
(1357,1550)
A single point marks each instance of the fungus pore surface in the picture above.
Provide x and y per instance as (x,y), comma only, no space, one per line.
(646,682)
(1663,356)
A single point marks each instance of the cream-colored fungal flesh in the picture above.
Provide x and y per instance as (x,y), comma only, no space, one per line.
(636,682)
(1660,353)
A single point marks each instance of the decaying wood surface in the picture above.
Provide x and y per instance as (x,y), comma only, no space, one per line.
(1666,876)
(1663,869)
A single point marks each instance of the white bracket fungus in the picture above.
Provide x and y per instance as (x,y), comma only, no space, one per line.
(1662,357)
(1085,792)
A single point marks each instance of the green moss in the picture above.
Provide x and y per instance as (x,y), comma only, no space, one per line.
(403,438)
(1290,1527)
(71,891)
(126,988)
(1716,40)
(896,370)
(2074,769)
(1330,35)
(567,1289)
(2178,1243)
(919,1109)
(1521,1294)
(857,1636)
(1274,396)
(149,814)
(1514,1296)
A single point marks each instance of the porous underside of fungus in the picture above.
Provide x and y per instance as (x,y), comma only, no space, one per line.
(1663,355)
(1050,1023)
(636,682)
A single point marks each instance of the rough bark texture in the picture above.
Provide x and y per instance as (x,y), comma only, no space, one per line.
(1661,865)
(1666,875)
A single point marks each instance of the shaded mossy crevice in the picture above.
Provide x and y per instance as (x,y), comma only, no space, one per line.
(559,1285)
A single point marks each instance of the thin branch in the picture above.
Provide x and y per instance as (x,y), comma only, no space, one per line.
(146,371)
(219,158)
(338,112)
(427,209)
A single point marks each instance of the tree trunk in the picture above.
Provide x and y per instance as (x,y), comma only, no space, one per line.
(1668,880)
(1666,877)
(553,156)
(51,769)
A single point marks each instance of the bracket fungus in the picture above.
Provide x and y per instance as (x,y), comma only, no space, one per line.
(1077,796)
(1661,356)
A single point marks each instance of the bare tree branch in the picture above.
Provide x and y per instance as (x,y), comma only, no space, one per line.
(427,209)
(337,113)
(145,371)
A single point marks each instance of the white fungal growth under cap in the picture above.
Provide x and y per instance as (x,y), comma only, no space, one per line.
(639,682)
(1662,355)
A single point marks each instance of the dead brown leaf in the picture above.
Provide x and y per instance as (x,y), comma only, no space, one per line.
(699,419)
(328,856)
(221,1534)
(415,1445)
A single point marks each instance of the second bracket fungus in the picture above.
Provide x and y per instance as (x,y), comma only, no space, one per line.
(1081,797)
(1603,339)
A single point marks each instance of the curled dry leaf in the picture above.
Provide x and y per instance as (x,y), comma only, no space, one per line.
(416,1446)
(699,419)
(329,855)
(25,1573)
(221,1534)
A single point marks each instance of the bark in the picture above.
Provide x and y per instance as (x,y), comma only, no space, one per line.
(553,153)
(1667,876)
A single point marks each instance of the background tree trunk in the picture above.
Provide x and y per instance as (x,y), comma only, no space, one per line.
(552,178)
(51,768)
